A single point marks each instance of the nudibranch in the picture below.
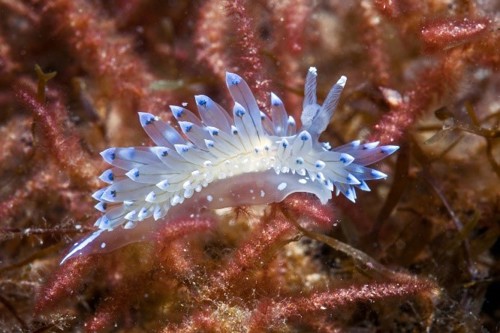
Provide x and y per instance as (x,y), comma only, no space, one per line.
(221,160)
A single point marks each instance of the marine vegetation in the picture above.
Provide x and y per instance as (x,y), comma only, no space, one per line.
(418,252)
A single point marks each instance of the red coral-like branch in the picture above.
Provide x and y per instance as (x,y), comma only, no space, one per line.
(209,37)
(61,141)
(109,58)
(427,88)
(251,254)
(445,33)
(66,281)
(270,312)
(246,49)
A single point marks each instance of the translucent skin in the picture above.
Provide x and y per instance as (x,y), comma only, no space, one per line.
(221,161)
(242,190)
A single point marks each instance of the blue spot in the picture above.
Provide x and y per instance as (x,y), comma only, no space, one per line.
(256,150)
(202,102)
(136,174)
(164,153)
(235,131)
(185,149)
(304,137)
(276,103)
(215,132)
(299,161)
(284,144)
(110,176)
(149,120)
(178,113)
(104,205)
(188,128)
(343,160)
(113,193)
(240,113)
(163,184)
(112,156)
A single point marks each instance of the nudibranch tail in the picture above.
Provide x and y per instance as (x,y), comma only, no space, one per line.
(215,159)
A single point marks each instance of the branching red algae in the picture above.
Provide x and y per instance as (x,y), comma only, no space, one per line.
(417,253)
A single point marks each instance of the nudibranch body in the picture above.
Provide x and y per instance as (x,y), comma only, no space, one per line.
(223,161)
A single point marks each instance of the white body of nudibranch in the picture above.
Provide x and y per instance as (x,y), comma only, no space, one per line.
(224,161)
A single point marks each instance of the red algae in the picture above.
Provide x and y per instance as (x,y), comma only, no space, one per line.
(418,253)
(446,33)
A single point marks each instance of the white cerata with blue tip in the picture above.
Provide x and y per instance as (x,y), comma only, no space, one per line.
(223,161)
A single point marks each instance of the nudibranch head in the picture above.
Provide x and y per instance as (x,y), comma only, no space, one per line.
(221,160)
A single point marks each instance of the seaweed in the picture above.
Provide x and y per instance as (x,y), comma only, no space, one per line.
(419,253)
